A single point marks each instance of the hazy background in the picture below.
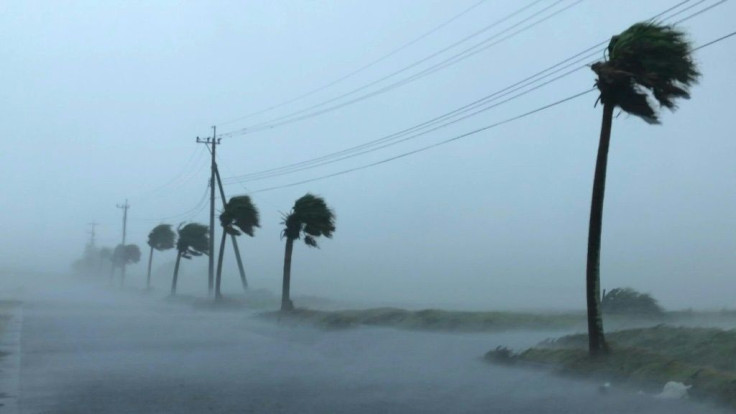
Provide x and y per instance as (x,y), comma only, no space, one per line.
(103,101)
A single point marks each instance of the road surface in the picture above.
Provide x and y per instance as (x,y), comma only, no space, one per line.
(91,350)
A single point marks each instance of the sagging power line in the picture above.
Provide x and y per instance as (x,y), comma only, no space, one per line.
(436,123)
(314,110)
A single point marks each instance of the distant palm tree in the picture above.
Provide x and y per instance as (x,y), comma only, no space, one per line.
(239,213)
(125,255)
(194,240)
(104,255)
(645,59)
(310,216)
(160,238)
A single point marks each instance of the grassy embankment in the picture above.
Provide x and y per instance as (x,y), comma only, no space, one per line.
(431,319)
(646,358)
(442,320)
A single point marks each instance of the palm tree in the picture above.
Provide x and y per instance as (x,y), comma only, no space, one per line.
(240,213)
(124,255)
(310,216)
(646,59)
(194,240)
(104,254)
(160,238)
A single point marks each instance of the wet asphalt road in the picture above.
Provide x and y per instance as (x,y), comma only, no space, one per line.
(90,350)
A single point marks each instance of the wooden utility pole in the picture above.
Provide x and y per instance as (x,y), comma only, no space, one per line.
(125,208)
(243,280)
(92,233)
(211,269)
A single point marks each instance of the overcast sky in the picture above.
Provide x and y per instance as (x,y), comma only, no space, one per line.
(102,101)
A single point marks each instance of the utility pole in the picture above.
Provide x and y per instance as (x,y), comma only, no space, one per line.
(243,280)
(92,233)
(125,208)
(211,270)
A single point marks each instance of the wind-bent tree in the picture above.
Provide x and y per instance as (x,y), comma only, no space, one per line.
(104,255)
(240,216)
(645,60)
(194,240)
(310,216)
(160,238)
(125,255)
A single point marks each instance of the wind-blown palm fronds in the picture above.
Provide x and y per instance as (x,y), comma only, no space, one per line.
(312,217)
(645,60)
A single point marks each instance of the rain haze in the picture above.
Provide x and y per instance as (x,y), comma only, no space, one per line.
(483,209)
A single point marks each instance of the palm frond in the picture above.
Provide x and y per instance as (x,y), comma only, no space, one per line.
(646,58)
(193,240)
(312,216)
(162,237)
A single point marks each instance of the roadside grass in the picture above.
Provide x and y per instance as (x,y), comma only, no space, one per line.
(646,358)
(491,321)
(431,319)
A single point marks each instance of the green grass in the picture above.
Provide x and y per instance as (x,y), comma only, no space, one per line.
(432,319)
(702,357)
(491,321)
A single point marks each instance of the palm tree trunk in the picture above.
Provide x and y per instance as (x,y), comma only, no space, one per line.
(176,274)
(286,303)
(596,340)
(218,279)
(150,260)
(243,280)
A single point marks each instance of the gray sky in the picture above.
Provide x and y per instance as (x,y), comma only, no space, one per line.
(103,100)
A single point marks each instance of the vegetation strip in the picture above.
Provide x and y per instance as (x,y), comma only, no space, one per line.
(431,319)
(646,358)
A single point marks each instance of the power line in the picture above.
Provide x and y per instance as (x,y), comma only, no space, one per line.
(425,148)
(724,37)
(700,12)
(499,93)
(295,116)
(393,138)
(464,135)
(362,68)
(199,206)
(185,175)
(653,19)
(312,110)
(406,138)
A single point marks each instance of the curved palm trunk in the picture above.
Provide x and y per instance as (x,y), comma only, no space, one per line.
(596,341)
(150,260)
(286,303)
(176,274)
(243,280)
(218,279)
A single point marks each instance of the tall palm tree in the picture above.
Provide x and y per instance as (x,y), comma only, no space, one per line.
(160,238)
(239,213)
(646,59)
(124,255)
(309,216)
(194,240)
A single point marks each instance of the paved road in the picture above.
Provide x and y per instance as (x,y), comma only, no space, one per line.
(88,350)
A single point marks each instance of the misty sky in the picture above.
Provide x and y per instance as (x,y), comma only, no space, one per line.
(103,101)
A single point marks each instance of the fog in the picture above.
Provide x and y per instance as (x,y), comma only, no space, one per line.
(86,348)
(103,103)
